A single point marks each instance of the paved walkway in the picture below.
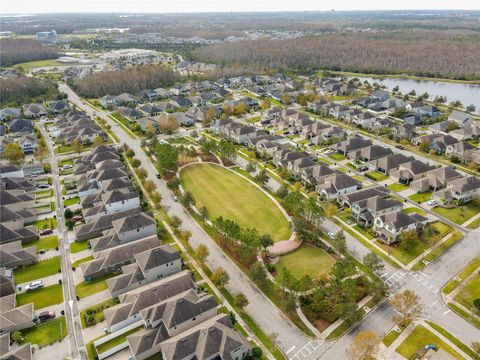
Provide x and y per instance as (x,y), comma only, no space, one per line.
(471,220)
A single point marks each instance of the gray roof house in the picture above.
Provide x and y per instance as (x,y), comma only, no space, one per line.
(7,282)
(13,255)
(8,352)
(391,225)
(34,111)
(336,185)
(13,318)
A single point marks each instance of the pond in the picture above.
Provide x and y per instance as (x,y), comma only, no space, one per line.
(466,93)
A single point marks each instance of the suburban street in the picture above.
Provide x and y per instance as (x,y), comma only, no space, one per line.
(296,345)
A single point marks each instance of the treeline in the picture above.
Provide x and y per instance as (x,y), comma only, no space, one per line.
(19,90)
(417,53)
(16,51)
(130,80)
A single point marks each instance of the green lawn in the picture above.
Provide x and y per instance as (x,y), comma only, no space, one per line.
(116,341)
(78,246)
(97,309)
(415,210)
(49,223)
(45,242)
(421,197)
(377,176)
(459,214)
(46,333)
(27,66)
(44,194)
(72,201)
(469,269)
(474,224)
(419,338)
(470,292)
(43,297)
(397,187)
(364,232)
(77,263)
(37,271)
(85,289)
(226,194)
(453,339)
(337,156)
(306,260)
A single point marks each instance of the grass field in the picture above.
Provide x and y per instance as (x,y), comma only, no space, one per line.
(306,260)
(337,156)
(397,187)
(420,337)
(469,269)
(226,194)
(421,197)
(377,176)
(45,242)
(27,66)
(41,298)
(470,292)
(459,214)
(415,210)
(78,246)
(72,201)
(85,289)
(37,271)
(46,333)
(49,223)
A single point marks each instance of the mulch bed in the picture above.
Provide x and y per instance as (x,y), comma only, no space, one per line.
(210,158)
(227,163)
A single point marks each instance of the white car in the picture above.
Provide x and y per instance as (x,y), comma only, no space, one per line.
(175,199)
(431,202)
(331,235)
(329,152)
(34,285)
(67,166)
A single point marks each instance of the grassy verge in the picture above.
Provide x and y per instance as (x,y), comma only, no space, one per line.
(343,327)
(77,263)
(464,314)
(71,201)
(466,272)
(78,246)
(123,126)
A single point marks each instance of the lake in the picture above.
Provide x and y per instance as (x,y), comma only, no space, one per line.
(466,93)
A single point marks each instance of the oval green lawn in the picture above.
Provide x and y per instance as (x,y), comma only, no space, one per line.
(227,194)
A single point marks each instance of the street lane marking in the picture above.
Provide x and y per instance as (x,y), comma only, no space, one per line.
(291,349)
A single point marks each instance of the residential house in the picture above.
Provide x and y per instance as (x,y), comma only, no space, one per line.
(351,144)
(466,133)
(19,126)
(336,185)
(9,351)
(7,282)
(148,95)
(7,114)
(461,150)
(11,171)
(366,210)
(435,179)
(369,153)
(391,225)
(129,113)
(460,118)
(348,199)
(407,172)
(126,98)
(150,109)
(13,255)
(34,111)
(58,107)
(405,131)
(461,190)
(13,317)
(385,164)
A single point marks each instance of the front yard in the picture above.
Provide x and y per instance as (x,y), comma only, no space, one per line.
(45,242)
(71,201)
(85,289)
(94,314)
(37,271)
(459,214)
(469,293)
(337,156)
(43,297)
(78,246)
(421,197)
(45,334)
(397,187)
(49,223)
(376,176)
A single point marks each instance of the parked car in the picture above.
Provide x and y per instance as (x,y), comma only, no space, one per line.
(67,166)
(363,168)
(46,315)
(34,285)
(331,235)
(158,175)
(329,152)
(77,218)
(43,186)
(431,202)
(399,147)
(46,232)
(175,199)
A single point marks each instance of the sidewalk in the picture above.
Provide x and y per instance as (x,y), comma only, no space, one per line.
(471,220)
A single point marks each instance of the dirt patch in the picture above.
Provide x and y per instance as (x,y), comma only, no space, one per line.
(227,163)
(168,175)
(321,324)
(210,158)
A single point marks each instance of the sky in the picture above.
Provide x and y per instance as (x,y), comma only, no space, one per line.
(168,6)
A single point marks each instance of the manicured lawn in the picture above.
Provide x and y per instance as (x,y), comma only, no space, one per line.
(78,246)
(49,223)
(77,263)
(43,297)
(226,194)
(44,194)
(421,197)
(459,214)
(397,187)
(116,341)
(306,260)
(27,66)
(72,201)
(419,338)
(45,242)
(337,156)
(37,271)
(377,176)
(46,333)
(415,210)
(453,339)
(470,292)
(85,289)
(97,310)
(474,224)
(469,269)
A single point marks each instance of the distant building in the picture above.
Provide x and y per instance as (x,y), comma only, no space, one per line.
(47,36)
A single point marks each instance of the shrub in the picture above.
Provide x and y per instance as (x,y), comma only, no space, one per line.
(476,303)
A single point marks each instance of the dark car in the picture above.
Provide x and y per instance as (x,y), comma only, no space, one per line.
(399,147)
(77,218)
(43,186)
(158,176)
(46,315)
(46,232)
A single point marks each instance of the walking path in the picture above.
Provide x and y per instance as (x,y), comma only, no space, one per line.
(471,220)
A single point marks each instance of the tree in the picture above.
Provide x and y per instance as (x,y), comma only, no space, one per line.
(476,347)
(373,261)
(136,163)
(286,100)
(364,346)
(250,167)
(167,157)
(187,200)
(408,240)
(339,242)
(176,221)
(226,150)
(70,224)
(282,192)
(261,178)
(348,312)
(68,214)
(424,145)
(407,306)
(169,125)
(265,105)
(17,337)
(203,213)
(130,153)
(266,241)
(202,252)
(285,278)
(149,186)
(77,146)
(471,108)
(209,116)
(239,109)
(257,272)
(220,277)
(241,301)
(330,209)
(97,141)
(141,173)
(13,152)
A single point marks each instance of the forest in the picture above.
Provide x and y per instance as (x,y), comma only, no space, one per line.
(130,80)
(420,53)
(21,90)
(16,51)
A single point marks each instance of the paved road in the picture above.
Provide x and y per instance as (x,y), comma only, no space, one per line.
(72,317)
(294,343)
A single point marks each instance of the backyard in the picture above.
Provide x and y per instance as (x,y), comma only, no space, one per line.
(43,297)
(116,341)
(37,271)
(306,260)
(226,194)
(46,333)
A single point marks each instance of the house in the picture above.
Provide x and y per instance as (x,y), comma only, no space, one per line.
(11,171)
(150,109)
(28,144)
(336,185)
(434,179)
(214,338)
(348,199)
(461,150)
(180,102)
(20,126)
(34,111)
(390,162)
(429,110)
(329,135)
(380,95)
(133,302)
(351,144)
(349,115)
(14,352)
(284,156)
(58,107)
(437,142)
(467,132)
(391,225)
(405,131)
(412,119)
(369,153)
(337,111)
(109,101)
(364,119)
(129,113)
(149,266)
(148,95)
(10,113)
(461,190)
(406,172)
(296,166)
(366,210)
(13,317)
(126,98)
(7,282)
(111,260)
(146,122)
(460,118)
(313,174)
(13,255)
